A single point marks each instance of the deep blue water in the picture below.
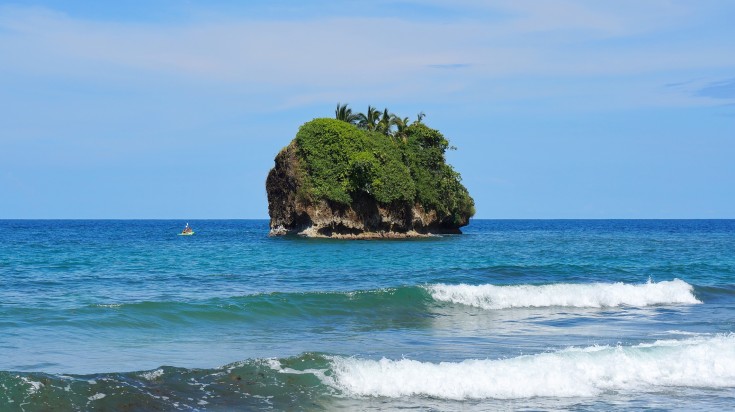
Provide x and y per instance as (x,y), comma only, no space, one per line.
(538,314)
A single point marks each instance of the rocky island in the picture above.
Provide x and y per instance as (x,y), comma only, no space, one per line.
(362,176)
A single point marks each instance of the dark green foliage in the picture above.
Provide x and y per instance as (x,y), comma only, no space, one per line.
(341,162)
(438,186)
(362,171)
(344,113)
(369,121)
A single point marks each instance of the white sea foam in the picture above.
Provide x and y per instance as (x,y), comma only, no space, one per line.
(33,386)
(695,363)
(274,364)
(108,305)
(593,295)
(152,375)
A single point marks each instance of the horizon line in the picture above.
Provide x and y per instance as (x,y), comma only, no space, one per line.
(471,219)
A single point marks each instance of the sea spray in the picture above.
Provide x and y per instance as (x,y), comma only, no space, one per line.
(703,362)
(593,295)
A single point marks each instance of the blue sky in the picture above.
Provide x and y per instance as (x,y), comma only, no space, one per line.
(176,109)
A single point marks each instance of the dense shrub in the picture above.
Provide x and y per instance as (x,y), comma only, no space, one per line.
(438,186)
(341,162)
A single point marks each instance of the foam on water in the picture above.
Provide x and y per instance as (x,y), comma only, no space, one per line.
(152,375)
(33,386)
(703,362)
(594,295)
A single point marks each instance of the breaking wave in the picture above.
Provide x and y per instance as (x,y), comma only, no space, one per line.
(697,363)
(390,302)
(704,362)
(593,295)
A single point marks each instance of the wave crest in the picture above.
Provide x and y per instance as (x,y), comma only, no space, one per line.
(594,295)
(584,372)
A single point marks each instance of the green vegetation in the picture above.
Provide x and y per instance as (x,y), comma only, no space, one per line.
(374,120)
(380,155)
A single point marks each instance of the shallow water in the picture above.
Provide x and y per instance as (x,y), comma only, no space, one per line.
(568,315)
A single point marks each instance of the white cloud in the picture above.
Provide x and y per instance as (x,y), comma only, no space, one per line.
(538,39)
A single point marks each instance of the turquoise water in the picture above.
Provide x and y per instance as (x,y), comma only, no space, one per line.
(568,315)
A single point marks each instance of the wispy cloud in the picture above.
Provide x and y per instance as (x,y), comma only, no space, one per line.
(675,85)
(544,39)
(724,89)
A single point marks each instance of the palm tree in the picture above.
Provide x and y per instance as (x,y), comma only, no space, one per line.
(387,120)
(401,125)
(344,113)
(420,117)
(369,121)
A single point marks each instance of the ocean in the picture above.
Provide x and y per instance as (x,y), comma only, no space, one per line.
(511,315)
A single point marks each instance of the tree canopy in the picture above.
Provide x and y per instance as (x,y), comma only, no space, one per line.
(383,122)
(345,158)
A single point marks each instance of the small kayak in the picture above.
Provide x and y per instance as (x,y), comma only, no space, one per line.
(188,231)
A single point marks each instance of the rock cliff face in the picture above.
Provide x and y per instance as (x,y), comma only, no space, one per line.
(291,211)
